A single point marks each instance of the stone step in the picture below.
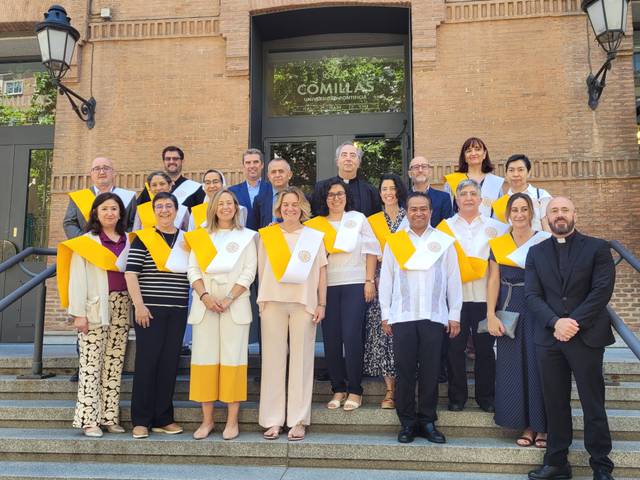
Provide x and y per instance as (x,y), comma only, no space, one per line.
(142,471)
(625,395)
(334,450)
(472,422)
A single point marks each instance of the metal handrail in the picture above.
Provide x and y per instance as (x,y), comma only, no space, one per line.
(618,323)
(37,279)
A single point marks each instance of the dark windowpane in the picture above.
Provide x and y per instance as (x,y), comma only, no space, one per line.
(302,156)
(36,228)
(380,155)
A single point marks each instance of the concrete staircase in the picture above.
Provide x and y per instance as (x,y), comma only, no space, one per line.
(37,441)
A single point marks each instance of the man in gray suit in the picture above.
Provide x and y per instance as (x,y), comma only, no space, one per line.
(102,175)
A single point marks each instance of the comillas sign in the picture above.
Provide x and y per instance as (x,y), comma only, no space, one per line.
(335,88)
(337,85)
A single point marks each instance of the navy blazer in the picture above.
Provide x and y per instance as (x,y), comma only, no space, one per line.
(441,205)
(262,213)
(241,191)
(583,295)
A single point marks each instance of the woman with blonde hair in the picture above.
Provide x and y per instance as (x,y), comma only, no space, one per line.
(292,297)
(222,266)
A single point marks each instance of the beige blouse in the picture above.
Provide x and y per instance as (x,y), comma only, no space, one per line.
(269,290)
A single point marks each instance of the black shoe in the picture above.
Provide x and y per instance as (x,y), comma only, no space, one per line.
(549,472)
(406,435)
(74,378)
(456,407)
(602,475)
(431,433)
(489,407)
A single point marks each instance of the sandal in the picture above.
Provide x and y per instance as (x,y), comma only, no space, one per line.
(272,433)
(296,433)
(337,401)
(353,401)
(525,440)
(540,442)
(388,402)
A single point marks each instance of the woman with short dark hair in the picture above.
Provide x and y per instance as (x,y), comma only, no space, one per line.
(157,281)
(92,286)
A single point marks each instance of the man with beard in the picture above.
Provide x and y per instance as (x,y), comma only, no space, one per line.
(569,279)
(183,188)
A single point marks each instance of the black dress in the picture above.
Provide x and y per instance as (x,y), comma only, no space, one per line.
(378,347)
(519,402)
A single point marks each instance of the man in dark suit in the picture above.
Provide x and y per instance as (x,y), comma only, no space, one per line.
(253,185)
(366,198)
(279,173)
(420,172)
(569,280)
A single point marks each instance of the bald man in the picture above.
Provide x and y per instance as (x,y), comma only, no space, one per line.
(569,279)
(420,173)
(103,175)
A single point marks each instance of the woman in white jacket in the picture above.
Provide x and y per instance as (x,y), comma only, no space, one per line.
(222,266)
(92,286)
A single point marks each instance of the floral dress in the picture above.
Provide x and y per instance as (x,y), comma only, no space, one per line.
(378,347)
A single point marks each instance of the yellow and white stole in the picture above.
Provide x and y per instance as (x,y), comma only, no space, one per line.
(421,256)
(500,208)
(222,253)
(490,189)
(287,266)
(345,238)
(88,246)
(199,214)
(185,189)
(506,251)
(83,199)
(471,266)
(166,258)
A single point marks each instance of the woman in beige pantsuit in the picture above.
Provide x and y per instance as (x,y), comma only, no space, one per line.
(292,298)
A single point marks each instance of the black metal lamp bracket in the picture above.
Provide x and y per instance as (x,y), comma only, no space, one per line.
(85,110)
(596,83)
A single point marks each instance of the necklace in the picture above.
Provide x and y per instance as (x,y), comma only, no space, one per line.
(170,242)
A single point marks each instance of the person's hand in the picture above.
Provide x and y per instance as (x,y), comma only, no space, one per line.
(496,328)
(453,329)
(143,315)
(369,291)
(210,303)
(386,328)
(224,304)
(81,324)
(319,315)
(565,329)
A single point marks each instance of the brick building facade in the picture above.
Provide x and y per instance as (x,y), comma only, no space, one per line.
(512,72)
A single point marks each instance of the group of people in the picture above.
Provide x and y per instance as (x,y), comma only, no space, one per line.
(400,280)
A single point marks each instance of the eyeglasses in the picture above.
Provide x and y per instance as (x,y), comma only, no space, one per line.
(160,206)
(105,168)
(420,167)
(172,159)
(336,195)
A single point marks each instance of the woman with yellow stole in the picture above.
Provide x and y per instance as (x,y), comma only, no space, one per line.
(292,299)
(518,399)
(353,251)
(158,182)
(91,284)
(378,347)
(517,169)
(222,266)
(157,281)
(474,163)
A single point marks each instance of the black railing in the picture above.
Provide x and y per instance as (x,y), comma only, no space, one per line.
(37,279)
(618,323)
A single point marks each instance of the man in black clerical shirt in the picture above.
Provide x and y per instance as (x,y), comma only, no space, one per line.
(366,198)
(569,280)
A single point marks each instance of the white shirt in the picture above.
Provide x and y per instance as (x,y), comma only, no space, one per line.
(540,199)
(349,268)
(409,295)
(468,235)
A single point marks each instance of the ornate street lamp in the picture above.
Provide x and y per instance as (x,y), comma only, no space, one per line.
(57,39)
(608,19)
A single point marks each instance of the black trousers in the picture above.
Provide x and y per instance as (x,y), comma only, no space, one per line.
(343,325)
(157,356)
(556,364)
(485,363)
(416,347)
